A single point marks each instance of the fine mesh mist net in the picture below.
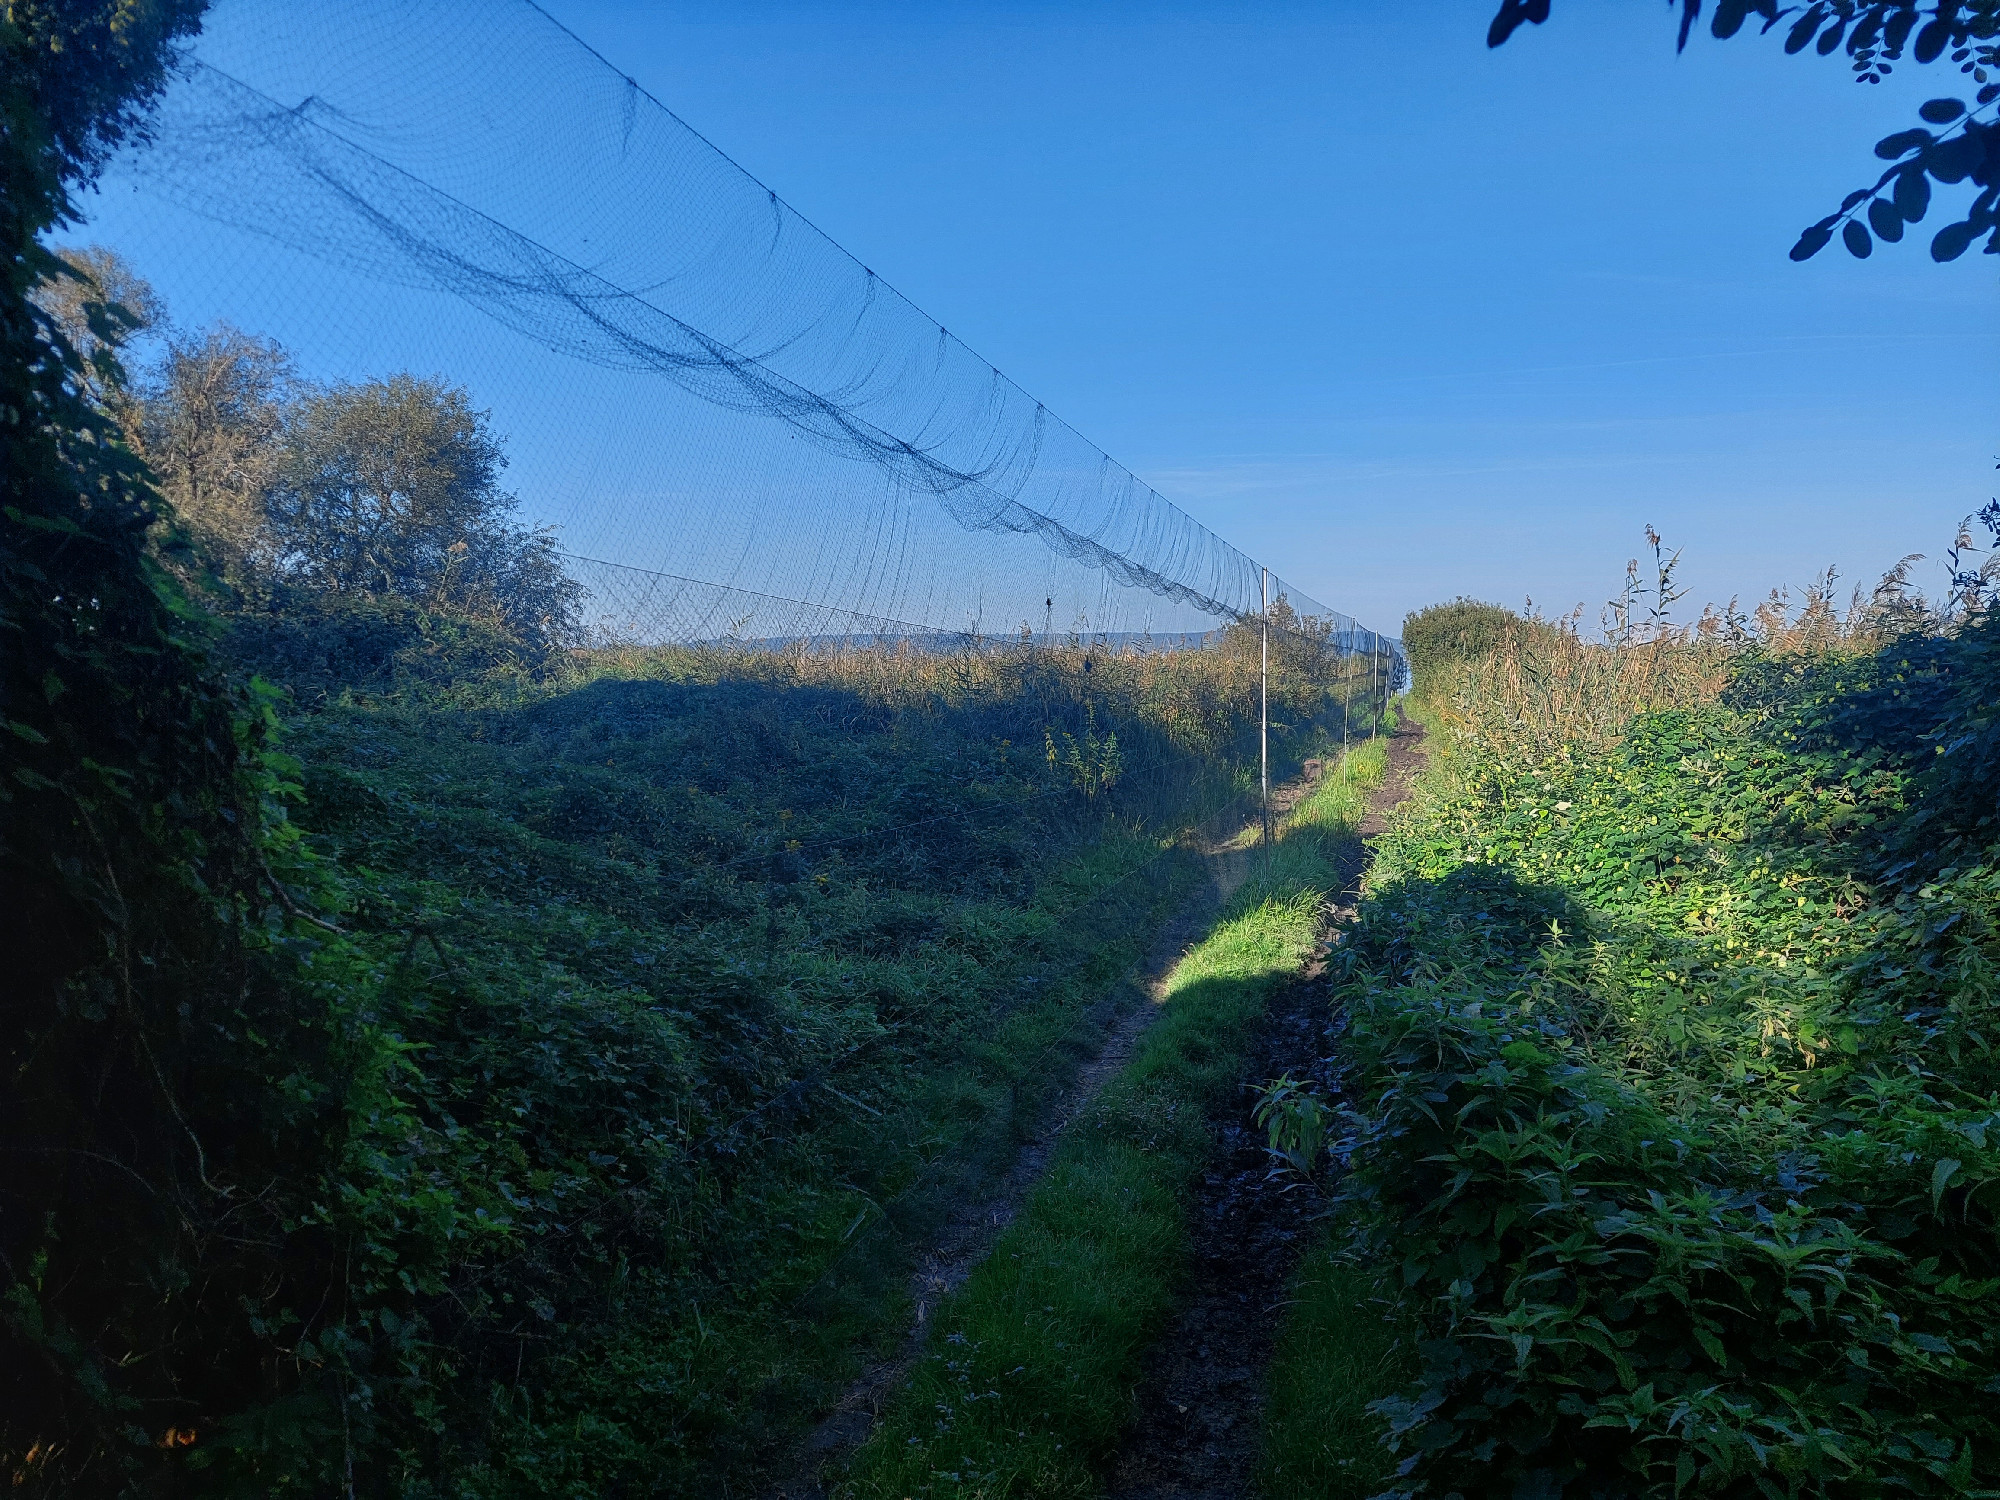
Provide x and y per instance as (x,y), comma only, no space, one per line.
(736,429)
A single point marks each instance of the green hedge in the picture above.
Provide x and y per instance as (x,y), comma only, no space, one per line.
(1679,1112)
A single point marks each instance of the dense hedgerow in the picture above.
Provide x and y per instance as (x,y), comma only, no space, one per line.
(1676,1109)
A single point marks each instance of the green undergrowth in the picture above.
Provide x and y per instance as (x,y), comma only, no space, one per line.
(722,1061)
(1027,1383)
(1673,1102)
(710,983)
(585,1059)
(1339,799)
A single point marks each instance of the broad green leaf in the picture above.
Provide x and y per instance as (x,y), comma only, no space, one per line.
(1941,1175)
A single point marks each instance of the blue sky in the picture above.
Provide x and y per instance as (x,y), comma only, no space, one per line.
(1400,316)
(1409,317)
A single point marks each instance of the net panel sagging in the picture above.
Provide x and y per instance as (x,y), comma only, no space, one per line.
(735,426)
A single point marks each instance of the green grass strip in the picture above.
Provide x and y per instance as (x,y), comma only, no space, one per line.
(1340,1348)
(1027,1385)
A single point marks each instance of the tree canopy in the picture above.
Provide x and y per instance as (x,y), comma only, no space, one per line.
(391,488)
(88,73)
(307,503)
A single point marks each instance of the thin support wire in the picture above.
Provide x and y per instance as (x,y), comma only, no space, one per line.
(1264,697)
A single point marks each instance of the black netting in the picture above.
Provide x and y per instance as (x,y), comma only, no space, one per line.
(737,429)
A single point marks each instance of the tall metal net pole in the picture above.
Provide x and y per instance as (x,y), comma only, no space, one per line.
(1264,697)
(1374,684)
(1346,710)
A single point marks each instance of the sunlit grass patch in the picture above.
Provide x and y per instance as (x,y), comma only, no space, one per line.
(1273,932)
(1339,799)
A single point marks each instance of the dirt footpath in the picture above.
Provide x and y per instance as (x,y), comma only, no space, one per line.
(1201,1407)
(1229,847)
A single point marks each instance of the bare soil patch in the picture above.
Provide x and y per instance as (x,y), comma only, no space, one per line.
(1201,1407)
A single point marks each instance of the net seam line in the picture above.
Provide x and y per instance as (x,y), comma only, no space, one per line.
(852,614)
(854,260)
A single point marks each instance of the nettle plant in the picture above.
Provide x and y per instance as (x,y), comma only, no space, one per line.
(1092,763)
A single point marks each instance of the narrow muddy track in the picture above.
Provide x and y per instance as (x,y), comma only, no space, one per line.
(1201,1406)
(1228,845)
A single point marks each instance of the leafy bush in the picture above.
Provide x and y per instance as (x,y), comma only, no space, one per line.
(1441,635)
(390,490)
(1674,1088)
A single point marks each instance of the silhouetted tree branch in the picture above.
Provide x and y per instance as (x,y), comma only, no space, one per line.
(1958,141)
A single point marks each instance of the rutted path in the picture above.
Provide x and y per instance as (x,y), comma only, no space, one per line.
(1201,1407)
(970,1233)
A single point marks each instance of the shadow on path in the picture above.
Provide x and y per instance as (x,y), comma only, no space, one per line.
(1228,845)
(1201,1408)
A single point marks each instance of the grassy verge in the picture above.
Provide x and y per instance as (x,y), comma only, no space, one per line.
(1339,801)
(1028,1383)
(1340,1347)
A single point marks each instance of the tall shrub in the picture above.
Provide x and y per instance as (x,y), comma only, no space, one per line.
(152,1077)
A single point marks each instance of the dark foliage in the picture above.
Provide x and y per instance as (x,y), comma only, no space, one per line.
(1957,142)
(1677,1100)
(151,1065)
(321,646)
(86,73)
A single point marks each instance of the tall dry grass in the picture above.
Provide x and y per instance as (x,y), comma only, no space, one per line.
(1553,694)
(1203,700)
(1543,693)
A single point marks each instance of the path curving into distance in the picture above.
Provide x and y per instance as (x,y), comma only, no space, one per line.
(1228,845)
